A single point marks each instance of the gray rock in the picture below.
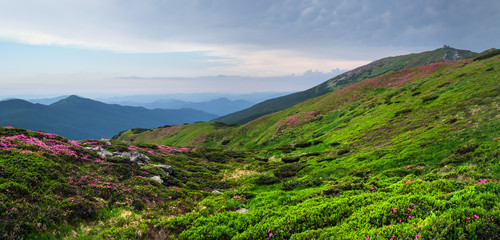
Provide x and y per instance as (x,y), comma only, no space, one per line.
(126,155)
(167,169)
(216,192)
(242,210)
(158,179)
(140,158)
(104,153)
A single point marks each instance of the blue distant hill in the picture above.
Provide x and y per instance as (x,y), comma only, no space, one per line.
(75,117)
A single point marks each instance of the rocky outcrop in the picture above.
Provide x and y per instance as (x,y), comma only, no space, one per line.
(158,179)
(139,158)
(242,210)
(167,169)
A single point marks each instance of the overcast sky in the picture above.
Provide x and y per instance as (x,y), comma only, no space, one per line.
(120,47)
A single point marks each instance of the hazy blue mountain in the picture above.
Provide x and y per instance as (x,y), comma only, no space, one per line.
(47,101)
(219,106)
(140,100)
(80,118)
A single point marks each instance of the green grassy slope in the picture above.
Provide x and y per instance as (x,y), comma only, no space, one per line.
(374,69)
(413,154)
(424,97)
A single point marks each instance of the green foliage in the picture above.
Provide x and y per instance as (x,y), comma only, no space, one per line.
(293,184)
(289,170)
(290,159)
(266,180)
(138,130)
(487,54)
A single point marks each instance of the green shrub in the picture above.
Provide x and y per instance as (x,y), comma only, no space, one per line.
(266,180)
(288,148)
(290,159)
(302,144)
(193,185)
(292,184)
(289,170)
(263,159)
(466,148)
(138,130)
(343,151)
(402,112)
(429,98)
(457,159)
(334,144)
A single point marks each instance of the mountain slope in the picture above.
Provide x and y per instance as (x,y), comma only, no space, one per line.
(441,92)
(371,70)
(413,154)
(79,118)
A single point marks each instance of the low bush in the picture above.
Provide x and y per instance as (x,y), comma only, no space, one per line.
(290,159)
(289,170)
(266,180)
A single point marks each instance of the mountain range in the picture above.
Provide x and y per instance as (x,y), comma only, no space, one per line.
(218,106)
(374,69)
(81,118)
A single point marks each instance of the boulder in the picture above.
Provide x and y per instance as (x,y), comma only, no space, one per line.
(139,158)
(104,153)
(167,169)
(216,192)
(158,179)
(242,210)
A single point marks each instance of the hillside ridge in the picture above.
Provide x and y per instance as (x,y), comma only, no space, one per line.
(370,70)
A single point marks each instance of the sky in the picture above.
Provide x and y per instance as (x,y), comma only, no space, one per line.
(127,47)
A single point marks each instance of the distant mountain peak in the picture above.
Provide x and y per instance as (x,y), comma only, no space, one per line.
(75,99)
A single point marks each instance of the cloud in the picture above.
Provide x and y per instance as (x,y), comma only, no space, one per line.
(231,83)
(301,25)
(132,85)
(258,38)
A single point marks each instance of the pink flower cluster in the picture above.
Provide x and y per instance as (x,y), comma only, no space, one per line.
(175,188)
(16,142)
(481,181)
(407,180)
